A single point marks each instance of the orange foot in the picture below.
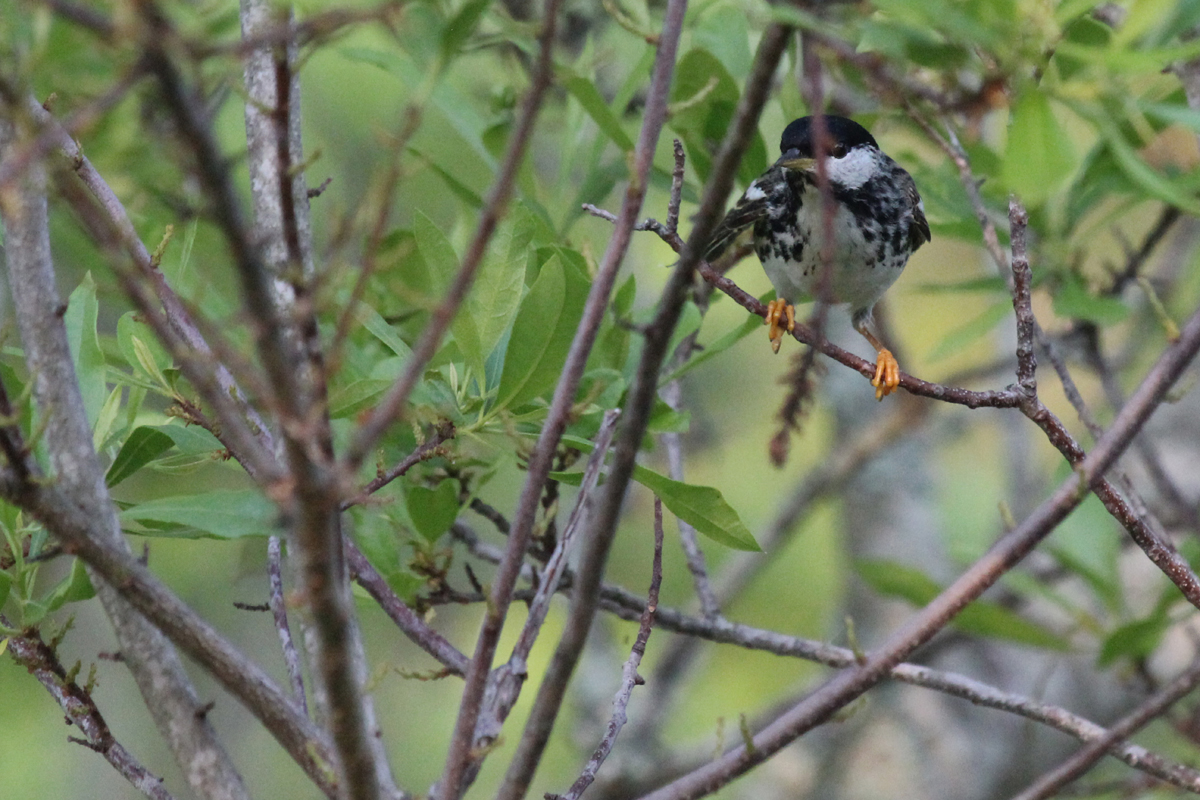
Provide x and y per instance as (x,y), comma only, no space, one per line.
(781,316)
(887,374)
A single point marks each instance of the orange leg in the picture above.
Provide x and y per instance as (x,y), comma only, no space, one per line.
(781,316)
(887,369)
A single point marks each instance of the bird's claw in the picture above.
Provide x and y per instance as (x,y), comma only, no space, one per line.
(781,316)
(887,374)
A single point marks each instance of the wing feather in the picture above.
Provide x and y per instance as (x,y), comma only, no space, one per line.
(918,229)
(751,207)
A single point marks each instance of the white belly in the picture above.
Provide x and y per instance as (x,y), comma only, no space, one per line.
(861,268)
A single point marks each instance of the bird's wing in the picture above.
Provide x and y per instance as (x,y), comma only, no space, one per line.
(918,229)
(751,207)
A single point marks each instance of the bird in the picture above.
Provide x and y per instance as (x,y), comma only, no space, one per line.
(878,221)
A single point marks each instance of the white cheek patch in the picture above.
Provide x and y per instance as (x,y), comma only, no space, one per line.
(855,168)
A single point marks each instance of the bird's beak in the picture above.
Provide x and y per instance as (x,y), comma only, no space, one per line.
(792,160)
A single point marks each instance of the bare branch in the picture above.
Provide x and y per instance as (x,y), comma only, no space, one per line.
(820,705)
(241,427)
(405,618)
(627,605)
(629,674)
(154,663)
(1022,280)
(1152,708)
(291,658)
(641,394)
(303,741)
(431,447)
(77,703)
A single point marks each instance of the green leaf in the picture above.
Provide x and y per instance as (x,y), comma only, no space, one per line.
(1072,300)
(150,355)
(460,28)
(704,96)
(993,284)
(532,336)
(893,579)
(665,419)
(458,108)
(1039,156)
(1134,640)
(569,478)
(216,514)
(433,511)
(1142,174)
(542,334)
(108,416)
(379,327)
(346,401)
(723,343)
(5,586)
(724,33)
(71,589)
(191,439)
(143,446)
(703,507)
(443,264)
(496,293)
(593,103)
(80,320)
(960,337)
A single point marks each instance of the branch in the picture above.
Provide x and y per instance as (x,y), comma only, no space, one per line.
(431,447)
(77,703)
(450,785)
(629,606)
(504,683)
(645,383)
(405,618)
(303,741)
(629,674)
(165,687)
(242,429)
(1153,707)
(291,658)
(1156,548)
(280,257)
(820,705)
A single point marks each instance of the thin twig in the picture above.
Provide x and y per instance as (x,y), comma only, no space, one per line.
(405,618)
(641,394)
(442,432)
(629,673)
(1002,398)
(629,606)
(164,684)
(450,785)
(302,740)
(1018,220)
(821,704)
(80,709)
(1140,528)
(1152,708)
(243,430)
(291,658)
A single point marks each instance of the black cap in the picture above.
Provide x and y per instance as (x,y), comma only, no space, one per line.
(799,134)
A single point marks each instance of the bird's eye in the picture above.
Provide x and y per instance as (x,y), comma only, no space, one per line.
(838,150)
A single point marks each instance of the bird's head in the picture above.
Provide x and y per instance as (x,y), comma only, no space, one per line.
(852,153)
